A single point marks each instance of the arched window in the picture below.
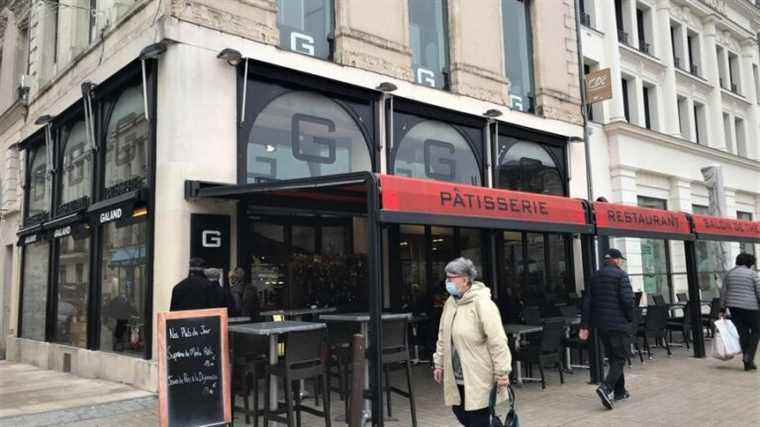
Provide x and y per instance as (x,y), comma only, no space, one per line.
(526,166)
(436,150)
(39,196)
(76,165)
(303,134)
(126,139)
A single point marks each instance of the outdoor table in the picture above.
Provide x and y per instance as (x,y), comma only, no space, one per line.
(273,330)
(239,320)
(518,330)
(298,313)
(363,320)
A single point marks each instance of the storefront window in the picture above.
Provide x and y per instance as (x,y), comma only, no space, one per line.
(126,142)
(73,287)
(76,170)
(527,166)
(655,257)
(34,294)
(302,134)
(711,259)
(123,288)
(434,150)
(518,52)
(746,247)
(429,37)
(39,196)
(306,26)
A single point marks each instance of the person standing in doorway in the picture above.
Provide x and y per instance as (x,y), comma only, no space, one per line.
(244,294)
(608,307)
(741,294)
(194,292)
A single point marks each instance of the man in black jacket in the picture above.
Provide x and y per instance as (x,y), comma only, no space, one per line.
(608,307)
(195,292)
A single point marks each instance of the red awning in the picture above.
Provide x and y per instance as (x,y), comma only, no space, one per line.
(715,228)
(422,201)
(632,221)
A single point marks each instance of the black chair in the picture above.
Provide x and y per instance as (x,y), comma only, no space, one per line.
(302,361)
(637,327)
(682,297)
(339,339)
(249,360)
(573,342)
(569,310)
(396,356)
(547,351)
(655,327)
(708,320)
(659,300)
(681,324)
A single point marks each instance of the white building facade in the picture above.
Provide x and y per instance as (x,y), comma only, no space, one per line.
(686,95)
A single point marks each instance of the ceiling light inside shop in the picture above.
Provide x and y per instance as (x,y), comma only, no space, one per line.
(270,148)
(140,212)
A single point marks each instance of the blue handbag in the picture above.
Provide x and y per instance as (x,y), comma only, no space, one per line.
(511,420)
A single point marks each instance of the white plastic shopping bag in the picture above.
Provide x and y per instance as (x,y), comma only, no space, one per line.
(726,340)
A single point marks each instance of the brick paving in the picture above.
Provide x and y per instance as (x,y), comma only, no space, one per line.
(677,391)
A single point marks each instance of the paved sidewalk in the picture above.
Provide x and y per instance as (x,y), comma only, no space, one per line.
(677,391)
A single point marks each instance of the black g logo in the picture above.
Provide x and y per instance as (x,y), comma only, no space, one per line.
(295,135)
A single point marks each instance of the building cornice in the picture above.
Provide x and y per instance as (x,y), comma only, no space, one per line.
(626,129)
(694,79)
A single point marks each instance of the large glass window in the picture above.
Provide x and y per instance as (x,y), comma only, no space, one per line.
(518,52)
(527,166)
(72,290)
(39,194)
(746,247)
(429,37)
(126,141)
(35,290)
(123,285)
(434,150)
(710,257)
(76,167)
(655,257)
(306,26)
(303,134)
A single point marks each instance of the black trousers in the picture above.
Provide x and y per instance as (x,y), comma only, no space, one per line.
(476,418)
(615,343)
(747,323)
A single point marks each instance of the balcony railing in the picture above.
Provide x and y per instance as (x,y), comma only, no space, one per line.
(623,37)
(694,68)
(644,47)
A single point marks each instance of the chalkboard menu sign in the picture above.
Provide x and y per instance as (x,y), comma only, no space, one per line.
(194,377)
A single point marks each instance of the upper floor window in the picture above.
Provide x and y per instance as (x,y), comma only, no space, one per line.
(527,166)
(126,140)
(518,53)
(304,134)
(644,28)
(306,26)
(429,39)
(39,193)
(434,150)
(76,164)
(694,51)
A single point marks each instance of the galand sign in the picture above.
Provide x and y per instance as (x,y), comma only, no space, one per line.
(111,215)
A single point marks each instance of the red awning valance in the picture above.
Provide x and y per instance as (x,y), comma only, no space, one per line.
(410,200)
(633,221)
(714,228)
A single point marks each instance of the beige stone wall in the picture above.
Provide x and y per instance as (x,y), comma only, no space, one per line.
(477,50)
(374,35)
(555,60)
(250,19)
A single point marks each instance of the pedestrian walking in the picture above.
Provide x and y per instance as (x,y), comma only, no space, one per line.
(194,292)
(608,307)
(472,355)
(740,293)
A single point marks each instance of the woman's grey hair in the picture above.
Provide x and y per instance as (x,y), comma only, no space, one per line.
(462,267)
(213,273)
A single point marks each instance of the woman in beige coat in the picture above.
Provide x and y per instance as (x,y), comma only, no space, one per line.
(472,353)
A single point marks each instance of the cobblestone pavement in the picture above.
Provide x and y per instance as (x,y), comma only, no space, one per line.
(677,391)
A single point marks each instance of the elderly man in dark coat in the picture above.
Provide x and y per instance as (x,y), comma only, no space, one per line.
(195,292)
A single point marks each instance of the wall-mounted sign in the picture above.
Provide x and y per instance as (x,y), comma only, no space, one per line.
(598,86)
(210,239)
(624,220)
(427,197)
(62,232)
(110,215)
(30,239)
(715,228)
